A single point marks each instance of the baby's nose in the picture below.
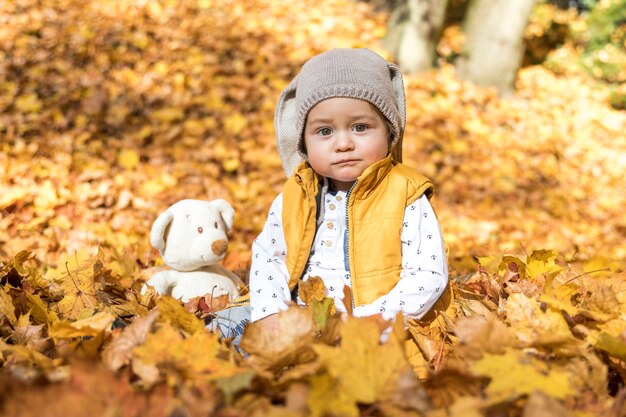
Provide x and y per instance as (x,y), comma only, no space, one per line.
(219,247)
(343,141)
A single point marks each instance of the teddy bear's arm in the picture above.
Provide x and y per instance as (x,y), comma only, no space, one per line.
(162,282)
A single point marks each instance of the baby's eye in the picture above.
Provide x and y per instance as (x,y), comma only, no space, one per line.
(325,131)
(200,230)
(359,128)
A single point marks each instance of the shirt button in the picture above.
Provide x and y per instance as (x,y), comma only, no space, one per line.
(329,243)
(330,225)
(338,198)
(332,206)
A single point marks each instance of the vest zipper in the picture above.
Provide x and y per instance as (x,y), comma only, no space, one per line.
(346,244)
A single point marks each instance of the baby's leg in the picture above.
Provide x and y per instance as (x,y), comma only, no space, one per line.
(230,322)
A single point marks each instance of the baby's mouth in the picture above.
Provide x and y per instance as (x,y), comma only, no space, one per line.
(346,162)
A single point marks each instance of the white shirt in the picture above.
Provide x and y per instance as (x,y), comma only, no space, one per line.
(423,278)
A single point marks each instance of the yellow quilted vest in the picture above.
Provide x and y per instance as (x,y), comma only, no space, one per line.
(375,211)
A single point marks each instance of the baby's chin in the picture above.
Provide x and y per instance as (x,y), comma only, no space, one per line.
(342,184)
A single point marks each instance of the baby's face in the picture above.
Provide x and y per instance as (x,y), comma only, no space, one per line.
(343,137)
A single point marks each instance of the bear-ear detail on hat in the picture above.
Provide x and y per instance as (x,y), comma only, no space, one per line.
(398,89)
(227,212)
(157,233)
(285,122)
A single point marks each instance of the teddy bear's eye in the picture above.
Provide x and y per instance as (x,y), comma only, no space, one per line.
(215,225)
(200,230)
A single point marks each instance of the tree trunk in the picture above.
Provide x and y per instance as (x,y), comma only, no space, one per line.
(413,32)
(494,42)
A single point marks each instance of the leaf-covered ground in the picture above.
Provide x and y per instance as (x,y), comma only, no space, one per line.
(111,111)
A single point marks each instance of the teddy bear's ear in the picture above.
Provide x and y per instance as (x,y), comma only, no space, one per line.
(226,211)
(157,233)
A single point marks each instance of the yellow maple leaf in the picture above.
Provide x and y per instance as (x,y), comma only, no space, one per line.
(362,366)
(168,114)
(75,274)
(128,158)
(325,398)
(12,195)
(536,327)
(39,309)
(231,165)
(195,357)
(542,262)
(173,312)
(7,309)
(560,298)
(600,302)
(235,123)
(491,264)
(610,338)
(530,323)
(90,326)
(28,103)
(514,374)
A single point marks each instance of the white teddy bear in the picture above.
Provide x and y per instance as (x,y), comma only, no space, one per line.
(191,237)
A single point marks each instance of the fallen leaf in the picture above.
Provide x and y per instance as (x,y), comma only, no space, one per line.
(88,327)
(118,353)
(287,354)
(362,366)
(173,312)
(515,373)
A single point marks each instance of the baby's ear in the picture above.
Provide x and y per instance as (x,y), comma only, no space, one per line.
(157,233)
(226,211)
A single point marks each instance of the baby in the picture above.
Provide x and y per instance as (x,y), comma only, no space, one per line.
(350,212)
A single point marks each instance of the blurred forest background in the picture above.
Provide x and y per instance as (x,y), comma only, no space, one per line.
(112,110)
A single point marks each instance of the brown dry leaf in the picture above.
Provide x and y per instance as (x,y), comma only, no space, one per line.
(477,335)
(313,293)
(432,341)
(404,396)
(31,336)
(535,327)
(541,405)
(286,355)
(90,391)
(313,289)
(23,355)
(462,407)
(207,304)
(118,353)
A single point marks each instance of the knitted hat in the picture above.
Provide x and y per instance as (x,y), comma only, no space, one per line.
(351,73)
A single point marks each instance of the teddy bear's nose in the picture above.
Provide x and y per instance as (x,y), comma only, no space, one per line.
(219,247)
